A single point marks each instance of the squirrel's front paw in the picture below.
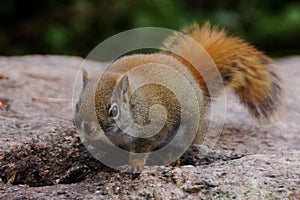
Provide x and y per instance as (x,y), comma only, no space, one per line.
(175,163)
(135,165)
(132,169)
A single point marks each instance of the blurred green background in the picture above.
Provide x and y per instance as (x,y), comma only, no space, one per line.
(75,27)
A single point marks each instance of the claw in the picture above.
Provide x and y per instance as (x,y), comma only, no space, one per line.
(131,169)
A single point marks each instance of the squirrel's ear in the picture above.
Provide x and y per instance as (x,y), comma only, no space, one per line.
(125,89)
(125,83)
(85,77)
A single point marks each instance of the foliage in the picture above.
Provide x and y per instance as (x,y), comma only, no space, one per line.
(77,26)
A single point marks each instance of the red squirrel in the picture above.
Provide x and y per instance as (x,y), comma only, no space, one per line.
(243,68)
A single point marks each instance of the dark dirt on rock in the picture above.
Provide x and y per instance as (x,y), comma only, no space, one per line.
(42,157)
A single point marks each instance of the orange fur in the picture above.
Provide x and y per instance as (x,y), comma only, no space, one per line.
(243,68)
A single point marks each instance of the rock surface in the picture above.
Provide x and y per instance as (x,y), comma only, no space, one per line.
(39,145)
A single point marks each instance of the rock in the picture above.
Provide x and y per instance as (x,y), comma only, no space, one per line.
(39,145)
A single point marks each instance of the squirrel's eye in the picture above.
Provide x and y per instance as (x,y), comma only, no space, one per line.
(113,111)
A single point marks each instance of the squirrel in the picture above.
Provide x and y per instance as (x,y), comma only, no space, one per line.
(244,69)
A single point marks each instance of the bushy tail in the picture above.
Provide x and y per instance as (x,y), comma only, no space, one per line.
(244,69)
